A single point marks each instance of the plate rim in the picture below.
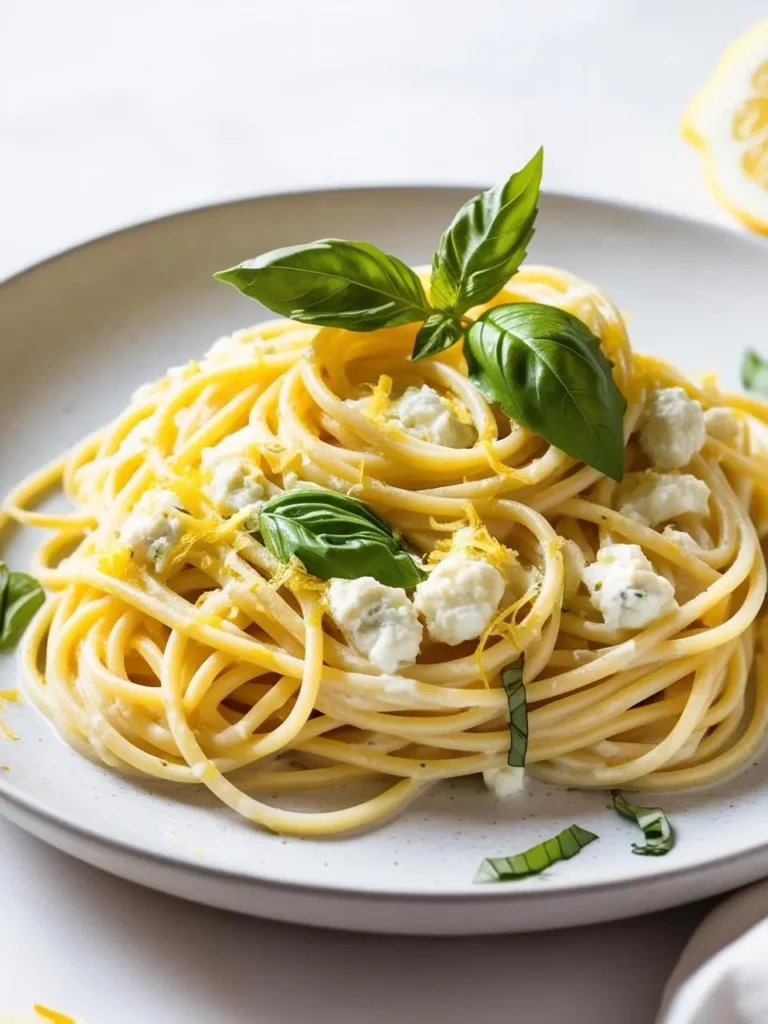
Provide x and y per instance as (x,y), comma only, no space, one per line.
(28,804)
(735,230)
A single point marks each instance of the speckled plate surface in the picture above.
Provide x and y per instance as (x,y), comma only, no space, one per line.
(79,332)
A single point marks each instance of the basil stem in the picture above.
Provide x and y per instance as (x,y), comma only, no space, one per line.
(563,846)
(754,373)
(20,597)
(335,536)
(333,283)
(658,832)
(545,369)
(512,681)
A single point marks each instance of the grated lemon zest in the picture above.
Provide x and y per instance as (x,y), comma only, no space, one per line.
(499,627)
(471,537)
(457,409)
(116,560)
(499,467)
(294,576)
(377,406)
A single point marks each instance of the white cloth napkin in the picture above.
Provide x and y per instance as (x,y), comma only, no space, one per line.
(722,975)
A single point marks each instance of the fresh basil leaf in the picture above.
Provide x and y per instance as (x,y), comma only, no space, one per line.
(563,846)
(659,834)
(439,332)
(754,373)
(333,283)
(335,536)
(545,369)
(485,244)
(23,596)
(512,681)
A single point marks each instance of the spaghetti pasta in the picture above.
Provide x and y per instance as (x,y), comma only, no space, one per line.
(220,665)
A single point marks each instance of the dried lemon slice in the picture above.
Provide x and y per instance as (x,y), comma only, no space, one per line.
(728,121)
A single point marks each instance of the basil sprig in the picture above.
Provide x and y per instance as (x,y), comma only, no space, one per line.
(512,681)
(333,283)
(658,832)
(542,366)
(754,373)
(563,846)
(545,368)
(485,244)
(335,536)
(20,597)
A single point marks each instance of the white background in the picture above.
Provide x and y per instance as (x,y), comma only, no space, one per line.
(115,112)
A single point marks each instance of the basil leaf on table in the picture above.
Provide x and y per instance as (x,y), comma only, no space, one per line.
(334,535)
(333,283)
(545,369)
(23,595)
(754,373)
(485,243)
(658,832)
(512,681)
(439,332)
(563,846)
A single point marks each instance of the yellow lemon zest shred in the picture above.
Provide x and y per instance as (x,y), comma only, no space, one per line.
(457,409)
(499,467)
(294,576)
(498,626)
(471,537)
(377,406)
(116,560)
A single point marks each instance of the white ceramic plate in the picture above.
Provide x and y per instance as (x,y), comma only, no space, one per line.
(79,332)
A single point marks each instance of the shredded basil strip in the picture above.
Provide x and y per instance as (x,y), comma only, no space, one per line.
(512,681)
(20,597)
(335,536)
(658,832)
(563,846)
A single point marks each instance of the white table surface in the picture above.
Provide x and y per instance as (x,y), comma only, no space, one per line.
(112,113)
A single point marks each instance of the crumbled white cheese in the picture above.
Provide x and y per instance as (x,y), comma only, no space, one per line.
(424,414)
(655,498)
(380,621)
(459,597)
(235,485)
(721,424)
(682,539)
(672,428)
(574,564)
(625,589)
(152,528)
(505,782)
